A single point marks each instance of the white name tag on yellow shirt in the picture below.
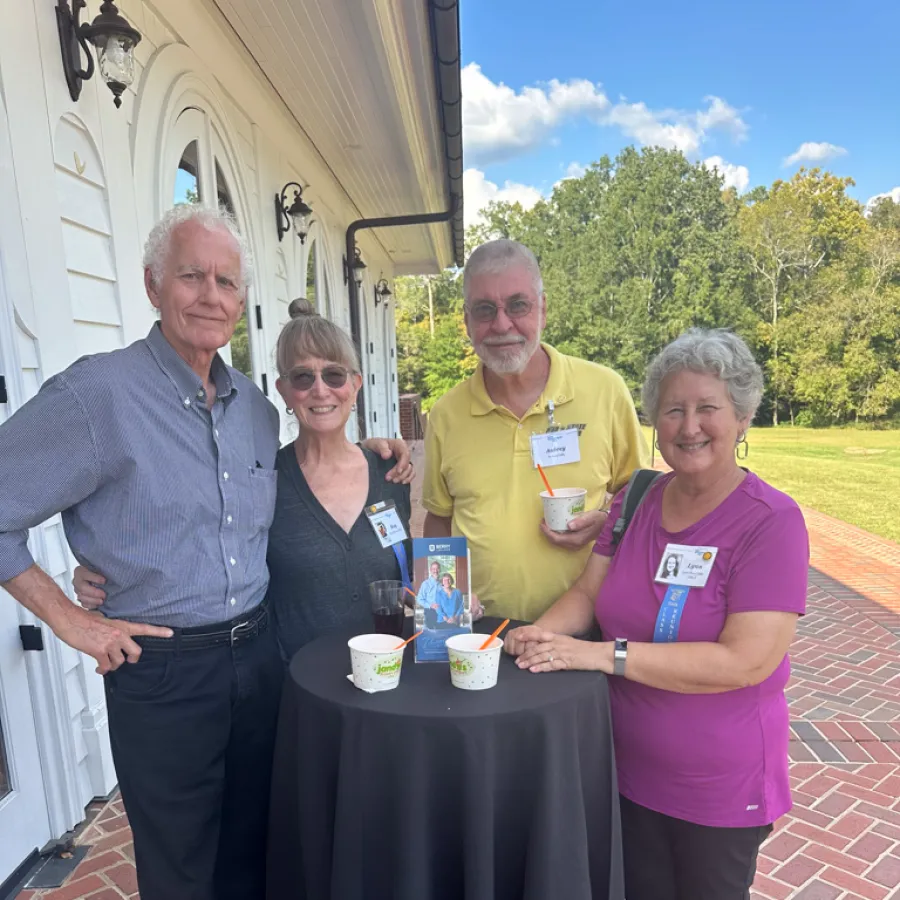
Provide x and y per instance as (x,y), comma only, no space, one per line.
(555,448)
(686,566)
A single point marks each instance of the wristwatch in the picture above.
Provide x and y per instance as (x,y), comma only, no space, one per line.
(620,654)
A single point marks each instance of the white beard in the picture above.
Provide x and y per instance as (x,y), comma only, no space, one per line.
(508,359)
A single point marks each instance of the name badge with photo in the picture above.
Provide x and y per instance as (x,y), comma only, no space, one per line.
(555,448)
(686,566)
(386,523)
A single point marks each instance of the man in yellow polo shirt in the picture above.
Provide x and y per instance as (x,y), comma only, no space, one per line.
(480,479)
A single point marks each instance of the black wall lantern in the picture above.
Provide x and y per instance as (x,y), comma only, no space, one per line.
(298,212)
(113,37)
(382,292)
(358,267)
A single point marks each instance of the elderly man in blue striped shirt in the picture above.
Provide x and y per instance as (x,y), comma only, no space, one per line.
(161,460)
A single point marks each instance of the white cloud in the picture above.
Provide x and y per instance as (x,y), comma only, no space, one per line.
(478,192)
(737,177)
(893,194)
(499,122)
(810,151)
(575,170)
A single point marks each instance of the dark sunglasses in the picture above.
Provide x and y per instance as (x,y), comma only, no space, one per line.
(484,311)
(304,379)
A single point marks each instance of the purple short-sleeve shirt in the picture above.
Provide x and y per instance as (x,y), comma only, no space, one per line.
(714,759)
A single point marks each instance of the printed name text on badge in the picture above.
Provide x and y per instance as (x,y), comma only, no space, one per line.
(684,565)
(555,448)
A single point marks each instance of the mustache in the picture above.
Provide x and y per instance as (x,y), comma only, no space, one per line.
(503,342)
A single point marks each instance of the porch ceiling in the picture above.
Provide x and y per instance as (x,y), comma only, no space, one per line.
(361,80)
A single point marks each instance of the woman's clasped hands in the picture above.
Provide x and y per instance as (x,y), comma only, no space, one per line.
(539,650)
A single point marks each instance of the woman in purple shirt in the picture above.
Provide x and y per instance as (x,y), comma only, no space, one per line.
(701,598)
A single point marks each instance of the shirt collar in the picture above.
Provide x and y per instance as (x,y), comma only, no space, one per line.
(559,387)
(183,377)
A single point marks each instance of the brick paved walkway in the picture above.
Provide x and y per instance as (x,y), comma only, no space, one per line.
(842,839)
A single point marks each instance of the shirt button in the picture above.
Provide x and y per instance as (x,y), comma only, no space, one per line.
(520,426)
(232,560)
(356,596)
(187,401)
(232,601)
(199,395)
(228,519)
(225,475)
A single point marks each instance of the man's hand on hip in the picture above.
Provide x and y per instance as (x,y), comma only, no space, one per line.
(583,530)
(109,641)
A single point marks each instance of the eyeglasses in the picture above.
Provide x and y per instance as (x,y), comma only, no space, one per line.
(304,379)
(485,311)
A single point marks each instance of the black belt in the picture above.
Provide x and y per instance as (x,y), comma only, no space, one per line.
(235,631)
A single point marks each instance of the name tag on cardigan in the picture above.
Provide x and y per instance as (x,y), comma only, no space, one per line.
(386,523)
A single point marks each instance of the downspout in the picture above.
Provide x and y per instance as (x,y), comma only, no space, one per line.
(355,330)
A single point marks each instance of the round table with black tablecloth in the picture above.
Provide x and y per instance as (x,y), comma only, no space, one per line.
(428,792)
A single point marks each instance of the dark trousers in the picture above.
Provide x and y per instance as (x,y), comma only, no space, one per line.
(192,734)
(670,859)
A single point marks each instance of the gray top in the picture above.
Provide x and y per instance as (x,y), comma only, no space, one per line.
(320,573)
(170,501)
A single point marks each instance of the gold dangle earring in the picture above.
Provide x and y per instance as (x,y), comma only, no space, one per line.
(742,448)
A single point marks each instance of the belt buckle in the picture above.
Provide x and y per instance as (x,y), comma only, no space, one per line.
(237,632)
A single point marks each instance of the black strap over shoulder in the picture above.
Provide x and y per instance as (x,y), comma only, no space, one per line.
(635,491)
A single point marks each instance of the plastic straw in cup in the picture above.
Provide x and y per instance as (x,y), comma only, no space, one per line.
(547,483)
(494,634)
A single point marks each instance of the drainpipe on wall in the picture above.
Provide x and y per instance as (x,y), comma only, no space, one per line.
(355,329)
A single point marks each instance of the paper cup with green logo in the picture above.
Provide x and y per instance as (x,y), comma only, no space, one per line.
(472,668)
(562,507)
(376,661)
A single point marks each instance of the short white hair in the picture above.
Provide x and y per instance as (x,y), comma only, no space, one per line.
(497,256)
(159,241)
(712,351)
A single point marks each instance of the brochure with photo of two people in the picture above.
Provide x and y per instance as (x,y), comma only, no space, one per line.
(441,577)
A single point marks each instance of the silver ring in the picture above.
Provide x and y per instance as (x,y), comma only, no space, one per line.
(551,658)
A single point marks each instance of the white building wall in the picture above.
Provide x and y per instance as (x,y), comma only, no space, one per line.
(90,180)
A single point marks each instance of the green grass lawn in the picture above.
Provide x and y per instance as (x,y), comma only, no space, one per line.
(846,473)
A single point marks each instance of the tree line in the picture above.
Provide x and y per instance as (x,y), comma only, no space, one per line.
(644,246)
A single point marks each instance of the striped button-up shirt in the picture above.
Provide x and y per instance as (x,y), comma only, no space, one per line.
(171,501)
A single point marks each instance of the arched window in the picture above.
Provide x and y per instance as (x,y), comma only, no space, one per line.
(311,277)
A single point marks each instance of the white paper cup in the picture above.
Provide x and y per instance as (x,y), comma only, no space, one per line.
(562,507)
(470,668)
(375,662)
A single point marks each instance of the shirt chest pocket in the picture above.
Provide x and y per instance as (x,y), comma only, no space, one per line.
(263,483)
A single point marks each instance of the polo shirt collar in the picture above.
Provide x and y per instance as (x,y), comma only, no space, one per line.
(183,377)
(559,387)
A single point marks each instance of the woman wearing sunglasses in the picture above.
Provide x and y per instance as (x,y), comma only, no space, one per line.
(323,552)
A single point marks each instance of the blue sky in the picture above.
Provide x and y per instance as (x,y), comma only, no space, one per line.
(549,87)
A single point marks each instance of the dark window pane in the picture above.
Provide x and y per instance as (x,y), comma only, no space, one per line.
(311,275)
(5,787)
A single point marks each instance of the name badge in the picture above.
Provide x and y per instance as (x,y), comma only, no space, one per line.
(685,565)
(386,523)
(555,448)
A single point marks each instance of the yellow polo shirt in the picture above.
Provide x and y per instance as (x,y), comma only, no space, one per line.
(479,473)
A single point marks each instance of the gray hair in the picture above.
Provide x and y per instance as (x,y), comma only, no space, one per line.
(309,334)
(497,256)
(710,352)
(159,241)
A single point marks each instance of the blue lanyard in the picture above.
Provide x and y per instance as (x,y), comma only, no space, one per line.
(400,553)
(669,619)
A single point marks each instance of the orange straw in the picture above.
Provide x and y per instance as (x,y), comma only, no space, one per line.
(494,634)
(411,593)
(401,646)
(549,489)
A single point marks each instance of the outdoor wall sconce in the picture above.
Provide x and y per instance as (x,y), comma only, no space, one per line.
(113,37)
(382,292)
(357,267)
(298,212)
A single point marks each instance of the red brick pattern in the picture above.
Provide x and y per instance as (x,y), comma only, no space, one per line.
(842,839)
